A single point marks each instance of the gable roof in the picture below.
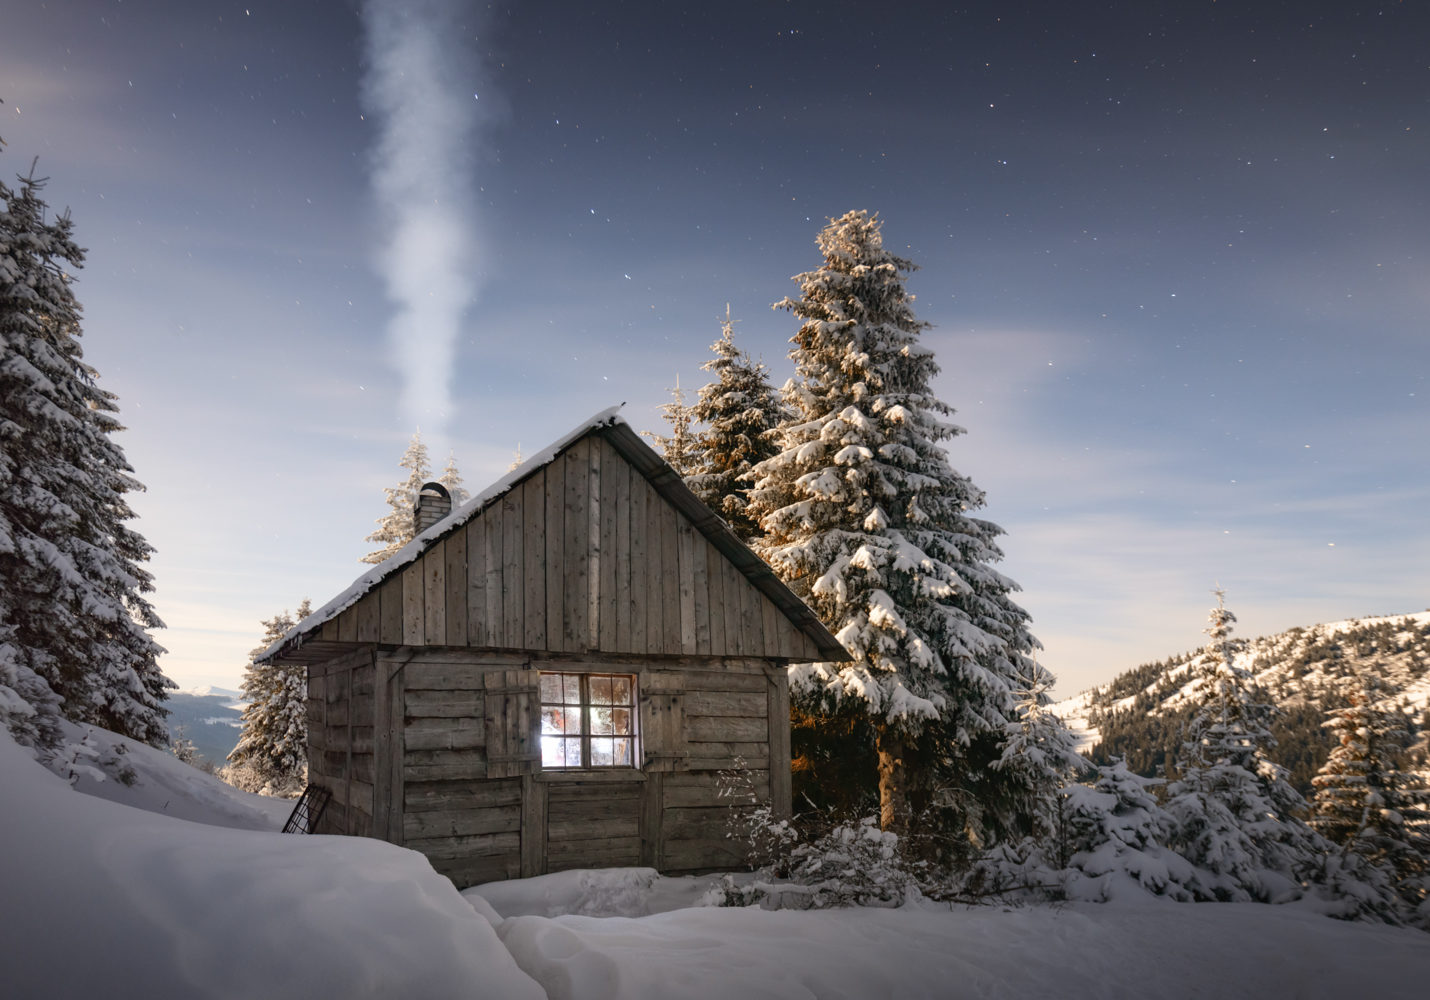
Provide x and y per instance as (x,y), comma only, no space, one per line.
(665,481)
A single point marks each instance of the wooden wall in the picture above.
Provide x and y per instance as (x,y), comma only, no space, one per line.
(727,719)
(584,555)
(437,750)
(341,702)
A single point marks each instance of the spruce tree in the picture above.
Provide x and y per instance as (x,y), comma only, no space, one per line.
(740,413)
(452,480)
(272,752)
(1116,828)
(1365,803)
(73,617)
(863,516)
(395,528)
(678,448)
(1040,754)
(1237,816)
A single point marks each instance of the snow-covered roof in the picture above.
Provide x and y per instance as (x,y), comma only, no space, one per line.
(661,476)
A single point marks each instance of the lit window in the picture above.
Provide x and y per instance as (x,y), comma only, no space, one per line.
(588,720)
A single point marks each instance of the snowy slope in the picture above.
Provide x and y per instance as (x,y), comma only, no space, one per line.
(105,900)
(1307,667)
(158,782)
(1143,948)
(101,899)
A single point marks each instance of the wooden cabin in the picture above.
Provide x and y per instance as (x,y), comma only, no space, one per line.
(553,675)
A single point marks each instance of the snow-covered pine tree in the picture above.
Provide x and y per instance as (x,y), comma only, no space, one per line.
(865,519)
(678,448)
(1041,753)
(739,412)
(183,748)
(1237,817)
(73,617)
(452,479)
(1365,803)
(395,528)
(1116,829)
(272,752)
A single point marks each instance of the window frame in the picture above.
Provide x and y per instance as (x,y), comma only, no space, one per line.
(586,707)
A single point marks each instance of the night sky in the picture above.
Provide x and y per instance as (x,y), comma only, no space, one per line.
(1176,256)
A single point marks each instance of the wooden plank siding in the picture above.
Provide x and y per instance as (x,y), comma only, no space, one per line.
(641,568)
(582,555)
(607,532)
(534,568)
(575,594)
(454,554)
(592,825)
(513,589)
(434,596)
(619,516)
(478,624)
(434,749)
(341,753)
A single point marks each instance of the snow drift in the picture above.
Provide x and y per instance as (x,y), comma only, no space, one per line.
(102,899)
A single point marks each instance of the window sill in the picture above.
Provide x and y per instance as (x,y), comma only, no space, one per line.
(603,774)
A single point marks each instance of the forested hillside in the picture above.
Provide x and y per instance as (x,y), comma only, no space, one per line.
(1306,672)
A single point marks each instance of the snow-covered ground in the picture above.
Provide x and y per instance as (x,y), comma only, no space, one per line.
(1076,713)
(177,886)
(100,899)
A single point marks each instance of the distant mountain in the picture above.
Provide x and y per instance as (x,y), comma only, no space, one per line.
(218,692)
(1306,671)
(212,720)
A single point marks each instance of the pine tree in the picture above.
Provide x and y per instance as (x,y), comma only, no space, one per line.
(1365,803)
(1040,753)
(395,528)
(866,520)
(272,752)
(740,414)
(1237,817)
(452,480)
(1116,827)
(183,748)
(677,448)
(73,619)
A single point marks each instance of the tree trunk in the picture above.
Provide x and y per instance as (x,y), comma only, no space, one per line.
(895,812)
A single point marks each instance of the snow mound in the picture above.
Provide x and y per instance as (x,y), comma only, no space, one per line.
(104,900)
(138,775)
(1140,948)
(606,892)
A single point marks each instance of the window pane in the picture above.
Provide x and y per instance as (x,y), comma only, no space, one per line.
(553,752)
(602,751)
(601,722)
(571,724)
(622,753)
(551,689)
(571,689)
(551,720)
(621,691)
(620,722)
(600,690)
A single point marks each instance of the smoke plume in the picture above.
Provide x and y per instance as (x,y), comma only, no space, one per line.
(420,88)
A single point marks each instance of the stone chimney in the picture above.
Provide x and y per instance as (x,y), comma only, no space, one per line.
(433,504)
